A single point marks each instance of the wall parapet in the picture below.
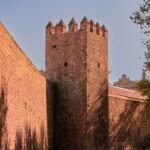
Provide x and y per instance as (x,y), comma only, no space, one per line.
(85,25)
(15,45)
(23,92)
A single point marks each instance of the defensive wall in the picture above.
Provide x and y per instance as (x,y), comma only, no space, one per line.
(23,108)
(129,121)
(26,105)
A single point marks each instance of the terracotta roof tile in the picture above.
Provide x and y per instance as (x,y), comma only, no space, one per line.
(113,90)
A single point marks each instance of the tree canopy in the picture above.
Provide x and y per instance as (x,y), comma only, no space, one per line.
(141,17)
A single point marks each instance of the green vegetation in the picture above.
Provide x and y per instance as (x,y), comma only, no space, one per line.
(143,143)
(141,17)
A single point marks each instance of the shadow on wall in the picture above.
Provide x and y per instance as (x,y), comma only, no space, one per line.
(98,121)
(3,114)
(50,96)
(132,126)
(29,141)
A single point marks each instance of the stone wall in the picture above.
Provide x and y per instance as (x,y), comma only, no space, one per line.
(80,116)
(65,69)
(97,90)
(23,116)
(129,121)
(50,114)
(77,66)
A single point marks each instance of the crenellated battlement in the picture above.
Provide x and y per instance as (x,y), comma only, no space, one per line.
(77,61)
(85,25)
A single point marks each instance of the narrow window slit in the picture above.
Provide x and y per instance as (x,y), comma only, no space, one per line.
(54,46)
(66,118)
(65,64)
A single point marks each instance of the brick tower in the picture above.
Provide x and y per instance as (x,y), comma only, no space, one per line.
(77,66)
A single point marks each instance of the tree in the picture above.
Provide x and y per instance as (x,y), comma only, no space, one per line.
(141,17)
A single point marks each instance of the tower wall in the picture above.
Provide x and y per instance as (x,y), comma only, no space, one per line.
(74,62)
(97,91)
(66,69)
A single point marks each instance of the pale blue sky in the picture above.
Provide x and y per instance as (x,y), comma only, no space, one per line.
(26,21)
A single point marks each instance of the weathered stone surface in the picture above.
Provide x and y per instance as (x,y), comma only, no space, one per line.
(97,91)
(66,68)
(77,66)
(128,118)
(71,105)
(23,98)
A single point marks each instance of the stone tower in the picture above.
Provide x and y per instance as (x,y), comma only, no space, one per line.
(77,67)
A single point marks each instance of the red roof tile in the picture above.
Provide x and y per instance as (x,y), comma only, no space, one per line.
(113,90)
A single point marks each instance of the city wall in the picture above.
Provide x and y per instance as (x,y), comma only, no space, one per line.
(23,108)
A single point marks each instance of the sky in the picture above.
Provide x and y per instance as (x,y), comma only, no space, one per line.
(26,21)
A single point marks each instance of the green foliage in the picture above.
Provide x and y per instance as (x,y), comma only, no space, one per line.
(142,19)
(142,16)
(143,143)
(144,88)
(135,103)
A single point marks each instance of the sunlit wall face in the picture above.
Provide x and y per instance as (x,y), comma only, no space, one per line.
(26,21)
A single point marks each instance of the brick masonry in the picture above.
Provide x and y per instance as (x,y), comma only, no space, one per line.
(97,91)
(129,119)
(72,104)
(67,74)
(76,62)
(23,98)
